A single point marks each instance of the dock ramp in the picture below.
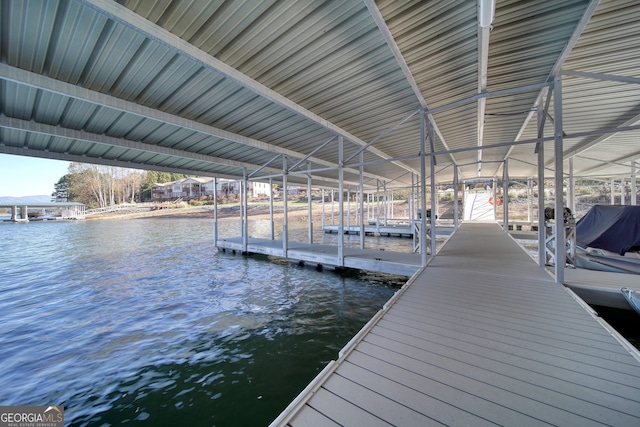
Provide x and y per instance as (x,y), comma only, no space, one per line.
(477,207)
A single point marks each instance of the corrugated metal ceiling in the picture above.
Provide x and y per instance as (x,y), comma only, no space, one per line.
(213,87)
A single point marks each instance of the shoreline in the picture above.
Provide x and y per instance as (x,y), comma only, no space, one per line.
(206,212)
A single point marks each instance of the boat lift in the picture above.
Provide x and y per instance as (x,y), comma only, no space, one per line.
(569,228)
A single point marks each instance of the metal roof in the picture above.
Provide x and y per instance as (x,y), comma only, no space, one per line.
(219,87)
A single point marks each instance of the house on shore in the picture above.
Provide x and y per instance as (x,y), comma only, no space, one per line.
(194,187)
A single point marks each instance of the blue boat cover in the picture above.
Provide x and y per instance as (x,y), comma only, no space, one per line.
(612,228)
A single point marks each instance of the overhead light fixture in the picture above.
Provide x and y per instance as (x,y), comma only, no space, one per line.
(486,12)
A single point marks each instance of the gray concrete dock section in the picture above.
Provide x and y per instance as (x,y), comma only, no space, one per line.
(482,336)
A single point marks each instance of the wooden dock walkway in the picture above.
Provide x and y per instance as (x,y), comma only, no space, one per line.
(482,336)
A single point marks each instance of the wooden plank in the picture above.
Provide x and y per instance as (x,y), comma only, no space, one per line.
(547,334)
(497,396)
(391,411)
(310,417)
(558,340)
(406,392)
(519,306)
(516,308)
(483,399)
(342,411)
(491,370)
(614,382)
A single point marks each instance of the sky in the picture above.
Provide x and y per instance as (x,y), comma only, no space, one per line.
(29,176)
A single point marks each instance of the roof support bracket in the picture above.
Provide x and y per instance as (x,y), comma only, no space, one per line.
(265,165)
(320,147)
(382,134)
(542,119)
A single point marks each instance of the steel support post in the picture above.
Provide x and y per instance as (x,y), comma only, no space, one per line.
(437,208)
(623,200)
(505,195)
(529,201)
(340,203)
(494,184)
(309,207)
(322,217)
(559,182)
(412,212)
(332,207)
(245,201)
(434,193)
(412,199)
(285,226)
(392,213)
(386,202)
(613,193)
(455,197)
(215,212)
(464,199)
(361,201)
(571,192)
(542,257)
(348,209)
(241,202)
(377,205)
(634,189)
(368,207)
(423,192)
(271,223)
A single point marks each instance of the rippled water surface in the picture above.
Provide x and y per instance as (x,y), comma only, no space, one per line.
(143,321)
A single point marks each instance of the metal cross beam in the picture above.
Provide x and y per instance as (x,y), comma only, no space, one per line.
(48,84)
(402,63)
(555,71)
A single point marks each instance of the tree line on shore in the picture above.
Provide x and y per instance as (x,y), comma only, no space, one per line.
(99,186)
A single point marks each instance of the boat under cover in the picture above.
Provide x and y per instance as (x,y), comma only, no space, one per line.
(602,260)
(612,228)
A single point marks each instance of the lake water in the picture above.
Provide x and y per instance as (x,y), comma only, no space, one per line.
(144,322)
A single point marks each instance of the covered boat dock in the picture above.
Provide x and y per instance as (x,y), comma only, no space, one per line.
(367,96)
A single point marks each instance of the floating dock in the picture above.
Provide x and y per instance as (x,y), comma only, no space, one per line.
(404,264)
(482,336)
(390,230)
(397,230)
(66,210)
(601,287)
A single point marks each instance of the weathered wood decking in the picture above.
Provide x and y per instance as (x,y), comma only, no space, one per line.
(483,336)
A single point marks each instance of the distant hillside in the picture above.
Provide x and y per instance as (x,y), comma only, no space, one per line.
(25,199)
